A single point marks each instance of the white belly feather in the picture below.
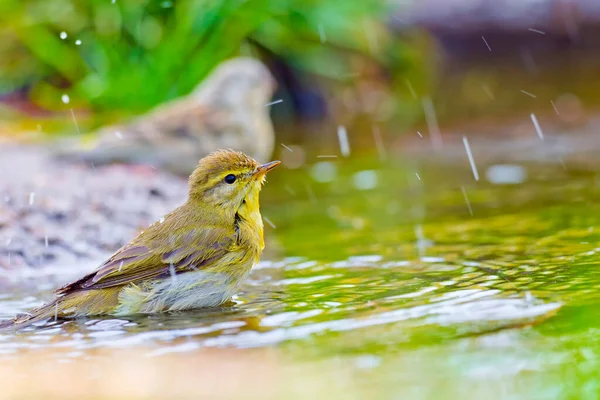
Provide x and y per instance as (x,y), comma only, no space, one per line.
(196,289)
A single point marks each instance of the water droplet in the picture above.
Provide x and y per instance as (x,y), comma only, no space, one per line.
(172,273)
(368,362)
(537,127)
(268,221)
(274,102)
(464,192)
(379,143)
(322,35)
(63,35)
(537,31)
(365,180)
(470,156)
(324,171)
(528,94)
(486,43)
(65,98)
(343,139)
(503,174)
(432,123)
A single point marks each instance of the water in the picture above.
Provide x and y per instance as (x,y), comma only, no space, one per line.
(374,283)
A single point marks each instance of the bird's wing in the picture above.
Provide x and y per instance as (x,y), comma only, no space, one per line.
(196,249)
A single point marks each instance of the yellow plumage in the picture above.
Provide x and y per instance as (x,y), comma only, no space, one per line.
(197,256)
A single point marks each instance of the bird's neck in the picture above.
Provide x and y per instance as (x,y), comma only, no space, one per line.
(250,221)
(247,218)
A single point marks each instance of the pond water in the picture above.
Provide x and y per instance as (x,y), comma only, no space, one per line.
(394,279)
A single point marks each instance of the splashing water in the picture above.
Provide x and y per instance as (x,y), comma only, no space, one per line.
(471,160)
(343,139)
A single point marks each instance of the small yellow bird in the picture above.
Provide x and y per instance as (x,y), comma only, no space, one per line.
(196,256)
(228,108)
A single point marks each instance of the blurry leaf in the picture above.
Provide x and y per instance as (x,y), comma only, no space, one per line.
(51,50)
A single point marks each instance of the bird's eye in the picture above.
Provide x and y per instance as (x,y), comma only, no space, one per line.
(229,179)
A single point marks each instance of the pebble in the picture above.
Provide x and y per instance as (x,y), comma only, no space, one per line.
(83,212)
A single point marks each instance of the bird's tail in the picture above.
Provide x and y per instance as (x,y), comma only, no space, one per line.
(47,311)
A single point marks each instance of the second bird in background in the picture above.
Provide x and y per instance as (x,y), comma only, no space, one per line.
(227,110)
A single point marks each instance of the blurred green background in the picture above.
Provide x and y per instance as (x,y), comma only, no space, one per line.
(336,62)
(114,59)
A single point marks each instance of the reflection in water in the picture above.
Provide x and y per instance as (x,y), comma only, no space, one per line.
(295,299)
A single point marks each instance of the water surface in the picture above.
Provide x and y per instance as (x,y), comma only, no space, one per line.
(389,279)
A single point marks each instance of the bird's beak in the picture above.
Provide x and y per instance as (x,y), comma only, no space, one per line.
(264,168)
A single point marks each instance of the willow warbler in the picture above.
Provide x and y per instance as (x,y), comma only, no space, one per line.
(197,256)
(226,109)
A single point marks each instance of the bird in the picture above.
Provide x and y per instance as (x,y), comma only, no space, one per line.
(228,109)
(196,256)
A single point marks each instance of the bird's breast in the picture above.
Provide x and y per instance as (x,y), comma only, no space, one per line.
(250,232)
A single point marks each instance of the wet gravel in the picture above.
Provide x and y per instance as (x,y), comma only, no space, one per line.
(54,212)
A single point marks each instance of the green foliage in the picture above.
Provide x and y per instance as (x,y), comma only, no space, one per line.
(134,54)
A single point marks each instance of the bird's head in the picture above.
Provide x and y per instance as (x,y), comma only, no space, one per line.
(240,81)
(229,180)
